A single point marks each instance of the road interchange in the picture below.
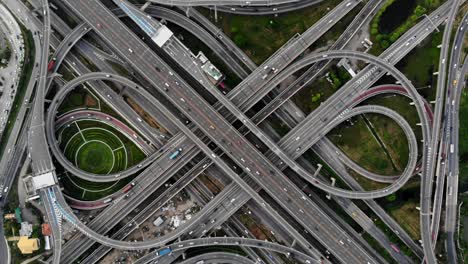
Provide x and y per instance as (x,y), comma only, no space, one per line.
(419,105)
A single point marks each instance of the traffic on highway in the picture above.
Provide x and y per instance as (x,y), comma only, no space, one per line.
(233,131)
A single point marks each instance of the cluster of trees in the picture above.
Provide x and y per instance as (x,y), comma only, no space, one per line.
(241,40)
(339,76)
(5,54)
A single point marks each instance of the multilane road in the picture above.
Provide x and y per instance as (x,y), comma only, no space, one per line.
(138,49)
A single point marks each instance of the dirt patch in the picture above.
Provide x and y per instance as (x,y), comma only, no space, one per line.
(90,101)
(149,119)
(213,185)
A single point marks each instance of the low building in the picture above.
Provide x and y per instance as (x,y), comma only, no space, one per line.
(26,229)
(214,75)
(46,230)
(159,221)
(18,215)
(9,216)
(28,245)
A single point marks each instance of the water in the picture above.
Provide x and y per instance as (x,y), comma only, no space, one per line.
(395,15)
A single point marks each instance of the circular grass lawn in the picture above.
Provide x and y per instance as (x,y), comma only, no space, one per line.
(96,157)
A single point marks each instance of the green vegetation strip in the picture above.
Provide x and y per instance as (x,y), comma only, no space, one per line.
(463,143)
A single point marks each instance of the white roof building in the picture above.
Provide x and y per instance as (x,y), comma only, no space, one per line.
(162,35)
(26,229)
(43,180)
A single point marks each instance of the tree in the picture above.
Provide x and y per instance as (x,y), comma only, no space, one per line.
(240,40)
(391,197)
(419,11)
(385,44)
(234,29)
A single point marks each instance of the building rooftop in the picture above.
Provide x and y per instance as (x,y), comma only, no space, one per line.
(43,180)
(46,231)
(162,35)
(26,229)
(28,245)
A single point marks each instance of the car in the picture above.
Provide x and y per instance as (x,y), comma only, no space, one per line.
(98,25)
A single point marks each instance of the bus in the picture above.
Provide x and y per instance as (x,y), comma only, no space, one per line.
(452,148)
(108,200)
(175,153)
(164,251)
(395,248)
(54,7)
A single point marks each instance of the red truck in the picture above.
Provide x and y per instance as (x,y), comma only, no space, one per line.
(395,248)
(51,64)
(128,187)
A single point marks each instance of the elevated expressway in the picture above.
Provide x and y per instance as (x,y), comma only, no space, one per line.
(197,31)
(76,64)
(40,156)
(426,187)
(223,2)
(41,161)
(105,75)
(456,82)
(161,12)
(309,36)
(59,205)
(264,10)
(219,257)
(53,106)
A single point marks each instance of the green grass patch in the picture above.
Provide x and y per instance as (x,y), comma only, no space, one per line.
(375,245)
(106,149)
(420,64)
(462,237)
(401,105)
(393,137)
(261,36)
(403,208)
(365,183)
(463,143)
(95,157)
(91,149)
(79,98)
(309,98)
(409,217)
(360,145)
